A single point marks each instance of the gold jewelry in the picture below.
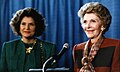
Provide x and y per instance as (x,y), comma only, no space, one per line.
(41,52)
(102,28)
(28,50)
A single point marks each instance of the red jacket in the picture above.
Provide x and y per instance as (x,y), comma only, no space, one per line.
(106,60)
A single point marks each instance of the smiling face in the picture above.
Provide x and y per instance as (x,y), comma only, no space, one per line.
(27,27)
(91,25)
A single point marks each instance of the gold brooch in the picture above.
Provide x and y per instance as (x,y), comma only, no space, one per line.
(28,50)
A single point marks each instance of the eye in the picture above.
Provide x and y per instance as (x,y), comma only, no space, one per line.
(93,21)
(23,23)
(32,24)
(84,21)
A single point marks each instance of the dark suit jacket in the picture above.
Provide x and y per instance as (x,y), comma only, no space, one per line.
(14,58)
(106,60)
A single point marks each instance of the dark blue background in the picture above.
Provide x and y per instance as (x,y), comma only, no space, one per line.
(61,19)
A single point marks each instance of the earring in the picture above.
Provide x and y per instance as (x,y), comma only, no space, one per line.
(102,28)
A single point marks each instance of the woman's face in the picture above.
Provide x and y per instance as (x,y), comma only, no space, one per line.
(91,25)
(27,27)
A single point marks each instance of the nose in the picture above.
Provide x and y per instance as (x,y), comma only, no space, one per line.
(88,25)
(27,27)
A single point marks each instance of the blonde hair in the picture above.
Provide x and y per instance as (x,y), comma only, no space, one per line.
(101,11)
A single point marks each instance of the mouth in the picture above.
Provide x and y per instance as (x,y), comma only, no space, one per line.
(89,31)
(26,31)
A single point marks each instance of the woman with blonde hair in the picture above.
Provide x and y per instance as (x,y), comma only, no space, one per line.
(99,53)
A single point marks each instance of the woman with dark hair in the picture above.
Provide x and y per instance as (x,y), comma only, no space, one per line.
(28,52)
(98,54)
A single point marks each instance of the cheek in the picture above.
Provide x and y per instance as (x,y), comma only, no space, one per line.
(83,26)
(97,27)
(21,28)
(33,29)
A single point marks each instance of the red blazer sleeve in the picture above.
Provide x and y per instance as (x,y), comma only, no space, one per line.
(116,59)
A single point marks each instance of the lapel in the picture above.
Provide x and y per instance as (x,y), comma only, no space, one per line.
(20,53)
(38,54)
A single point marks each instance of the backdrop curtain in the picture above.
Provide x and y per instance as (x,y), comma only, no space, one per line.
(62,22)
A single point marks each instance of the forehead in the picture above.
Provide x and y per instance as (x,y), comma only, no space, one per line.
(89,16)
(27,19)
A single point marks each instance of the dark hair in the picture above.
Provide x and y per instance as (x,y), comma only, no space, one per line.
(29,12)
(101,11)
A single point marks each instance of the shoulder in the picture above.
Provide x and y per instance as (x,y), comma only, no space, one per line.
(79,46)
(45,42)
(10,45)
(15,41)
(111,41)
(46,45)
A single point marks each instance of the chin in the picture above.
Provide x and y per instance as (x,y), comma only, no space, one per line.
(29,36)
(90,37)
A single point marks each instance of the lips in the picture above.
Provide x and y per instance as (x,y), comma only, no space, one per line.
(26,31)
(89,31)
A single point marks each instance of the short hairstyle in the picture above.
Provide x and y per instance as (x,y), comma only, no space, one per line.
(101,11)
(29,12)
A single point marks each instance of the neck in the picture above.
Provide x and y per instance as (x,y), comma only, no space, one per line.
(94,40)
(27,40)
